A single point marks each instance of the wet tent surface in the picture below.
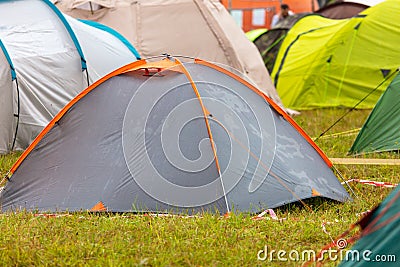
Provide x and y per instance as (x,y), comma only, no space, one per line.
(141,143)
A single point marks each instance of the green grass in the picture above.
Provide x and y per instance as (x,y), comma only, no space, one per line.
(87,239)
(6,161)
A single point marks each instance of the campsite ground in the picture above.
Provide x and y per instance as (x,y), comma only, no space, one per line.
(208,240)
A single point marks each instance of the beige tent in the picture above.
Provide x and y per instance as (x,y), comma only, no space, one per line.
(195,28)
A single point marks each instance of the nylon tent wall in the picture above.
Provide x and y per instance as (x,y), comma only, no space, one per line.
(337,63)
(381,130)
(6,103)
(47,59)
(170,136)
(268,42)
(254,34)
(379,242)
(268,45)
(194,28)
(342,9)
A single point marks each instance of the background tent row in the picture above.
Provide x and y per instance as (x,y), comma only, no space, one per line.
(337,63)
(342,9)
(46,59)
(168,136)
(268,41)
(250,15)
(194,28)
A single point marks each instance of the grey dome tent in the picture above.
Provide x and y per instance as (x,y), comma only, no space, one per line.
(168,136)
(46,59)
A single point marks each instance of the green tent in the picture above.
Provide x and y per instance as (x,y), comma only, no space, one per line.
(336,63)
(268,42)
(254,34)
(379,243)
(381,131)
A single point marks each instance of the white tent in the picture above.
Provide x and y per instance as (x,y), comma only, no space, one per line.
(195,28)
(46,59)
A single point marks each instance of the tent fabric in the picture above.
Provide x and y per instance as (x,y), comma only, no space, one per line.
(170,137)
(268,42)
(381,130)
(50,58)
(352,58)
(113,32)
(289,21)
(268,45)
(114,50)
(6,103)
(193,28)
(254,34)
(379,242)
(342,9)
(70,31)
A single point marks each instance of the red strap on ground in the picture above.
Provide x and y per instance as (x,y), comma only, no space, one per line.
(373,183)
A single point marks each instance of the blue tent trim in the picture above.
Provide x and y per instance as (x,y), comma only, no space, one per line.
(70,31)
(113,32)
(13,73)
